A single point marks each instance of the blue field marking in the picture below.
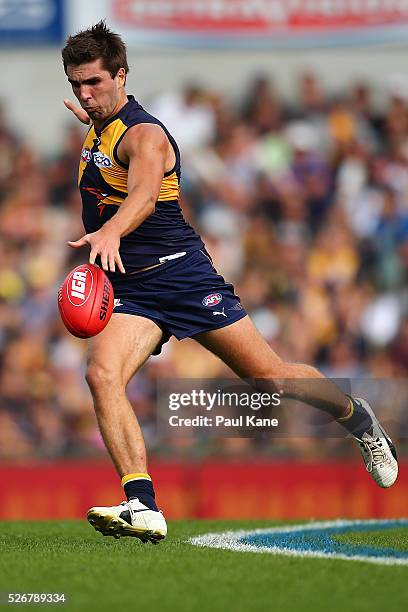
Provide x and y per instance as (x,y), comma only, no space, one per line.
(322,540)
(311,540)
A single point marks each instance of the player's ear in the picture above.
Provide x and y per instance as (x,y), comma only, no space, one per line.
(121,76)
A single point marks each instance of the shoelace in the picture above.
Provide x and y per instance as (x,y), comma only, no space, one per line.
(374,448)
(131,511)
(129,507)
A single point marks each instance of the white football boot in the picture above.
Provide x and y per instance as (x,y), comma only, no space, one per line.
(130,518)
(377,450)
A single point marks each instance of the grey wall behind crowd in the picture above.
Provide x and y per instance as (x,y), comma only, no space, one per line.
(34,84)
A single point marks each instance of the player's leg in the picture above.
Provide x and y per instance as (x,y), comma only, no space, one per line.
(245,351)
(114,356)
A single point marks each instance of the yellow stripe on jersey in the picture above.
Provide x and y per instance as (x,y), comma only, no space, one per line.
(88,144)
(112,173)
(112,199)
(169,189)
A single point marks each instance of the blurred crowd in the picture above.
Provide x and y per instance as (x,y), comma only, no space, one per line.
(303,205)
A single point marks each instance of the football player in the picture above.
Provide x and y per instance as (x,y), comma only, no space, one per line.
(165,284)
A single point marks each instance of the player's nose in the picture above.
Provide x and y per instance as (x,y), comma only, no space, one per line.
(85,93)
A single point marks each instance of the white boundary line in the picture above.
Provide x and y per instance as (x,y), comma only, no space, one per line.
(230,540)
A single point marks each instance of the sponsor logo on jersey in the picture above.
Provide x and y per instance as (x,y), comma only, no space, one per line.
(102,160)
(86,155)
(212,299)
(79,287)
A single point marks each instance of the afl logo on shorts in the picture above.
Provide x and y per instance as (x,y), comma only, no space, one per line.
(212,299)
(86,155)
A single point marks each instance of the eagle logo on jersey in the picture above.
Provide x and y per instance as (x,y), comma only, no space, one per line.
(99,195)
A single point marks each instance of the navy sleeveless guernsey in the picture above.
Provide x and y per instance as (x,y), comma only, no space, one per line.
(102,180)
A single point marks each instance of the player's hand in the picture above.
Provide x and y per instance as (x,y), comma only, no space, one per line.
(105,244)
(79,112)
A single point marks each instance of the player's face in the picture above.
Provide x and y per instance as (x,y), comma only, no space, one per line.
(97,92)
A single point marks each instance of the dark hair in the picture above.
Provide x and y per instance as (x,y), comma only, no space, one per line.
(97,42)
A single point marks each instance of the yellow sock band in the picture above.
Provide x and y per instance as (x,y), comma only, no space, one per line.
(135,476)
(349,414)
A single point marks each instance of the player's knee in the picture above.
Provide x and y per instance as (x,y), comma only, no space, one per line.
(265,382)
(101,378)
(280,379)
(273,378)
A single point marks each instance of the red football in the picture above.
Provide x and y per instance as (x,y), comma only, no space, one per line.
(85,301)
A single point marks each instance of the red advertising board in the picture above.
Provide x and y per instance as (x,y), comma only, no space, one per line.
(247,24)
(258,16)
(261,490)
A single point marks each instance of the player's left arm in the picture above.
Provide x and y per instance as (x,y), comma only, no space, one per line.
(144,147)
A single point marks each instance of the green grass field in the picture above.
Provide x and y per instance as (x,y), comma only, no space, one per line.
(100,573)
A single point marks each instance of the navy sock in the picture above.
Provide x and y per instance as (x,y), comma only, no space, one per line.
(358,420)
(140,486)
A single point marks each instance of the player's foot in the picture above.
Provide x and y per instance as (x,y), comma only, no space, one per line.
(130,518)
(377,450)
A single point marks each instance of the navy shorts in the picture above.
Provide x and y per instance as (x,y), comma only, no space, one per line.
(184,297)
